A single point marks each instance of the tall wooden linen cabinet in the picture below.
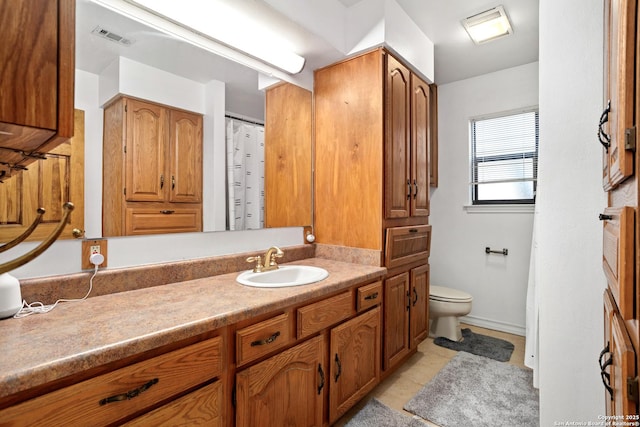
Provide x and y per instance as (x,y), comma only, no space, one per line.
(372,137)
(617,126)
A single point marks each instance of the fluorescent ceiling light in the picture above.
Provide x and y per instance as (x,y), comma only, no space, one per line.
(220,21)
(489,25)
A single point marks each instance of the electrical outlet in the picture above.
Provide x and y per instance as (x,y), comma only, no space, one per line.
(90,247)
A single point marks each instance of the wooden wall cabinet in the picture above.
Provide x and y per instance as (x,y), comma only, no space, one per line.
(620,358)
(36,78)
(372,135)
(616,127)
(152,169)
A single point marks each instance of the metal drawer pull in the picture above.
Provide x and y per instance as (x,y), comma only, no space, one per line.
(269,340)
(603,217)
(130,394)
(167,211)
(337,360)
(415,294)
(372,296)
(605,139)
(606,377)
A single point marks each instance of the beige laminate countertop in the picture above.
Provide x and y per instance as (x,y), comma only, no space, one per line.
(77,336)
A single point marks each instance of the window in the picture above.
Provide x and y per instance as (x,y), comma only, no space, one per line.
(504,158)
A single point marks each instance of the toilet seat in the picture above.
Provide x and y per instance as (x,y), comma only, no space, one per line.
(441,293)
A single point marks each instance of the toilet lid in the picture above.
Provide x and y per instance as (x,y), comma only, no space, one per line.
(440,293)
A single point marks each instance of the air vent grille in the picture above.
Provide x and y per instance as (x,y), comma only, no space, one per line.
(111,36)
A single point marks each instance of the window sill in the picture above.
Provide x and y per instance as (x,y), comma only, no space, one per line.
(526,209)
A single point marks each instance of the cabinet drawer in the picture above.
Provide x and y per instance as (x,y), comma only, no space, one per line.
(202,407)
(407,244)
(319,315)
(262,338)
(141,221)
(108,398)
(617,256)
(369,295)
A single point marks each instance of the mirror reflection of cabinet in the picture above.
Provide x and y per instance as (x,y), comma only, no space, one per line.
(152,169)
(287,156)
(47,183)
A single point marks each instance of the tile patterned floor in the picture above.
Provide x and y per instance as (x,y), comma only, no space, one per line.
(404,383)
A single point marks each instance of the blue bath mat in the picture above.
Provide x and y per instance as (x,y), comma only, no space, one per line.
(480,345)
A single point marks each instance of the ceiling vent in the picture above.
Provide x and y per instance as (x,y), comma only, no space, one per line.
(111,36)
(489,25)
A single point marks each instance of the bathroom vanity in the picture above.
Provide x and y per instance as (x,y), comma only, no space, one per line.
(208,349)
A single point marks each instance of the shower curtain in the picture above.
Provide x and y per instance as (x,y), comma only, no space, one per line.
(245,175)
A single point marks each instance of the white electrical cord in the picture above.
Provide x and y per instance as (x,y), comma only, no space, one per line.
(40,308)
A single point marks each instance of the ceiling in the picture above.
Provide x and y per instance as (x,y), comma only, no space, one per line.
(456,56)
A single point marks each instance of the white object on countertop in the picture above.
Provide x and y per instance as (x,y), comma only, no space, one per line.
(10,295)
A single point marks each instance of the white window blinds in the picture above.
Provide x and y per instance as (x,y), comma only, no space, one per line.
(504,158)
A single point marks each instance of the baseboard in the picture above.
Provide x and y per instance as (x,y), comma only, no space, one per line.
(494,324)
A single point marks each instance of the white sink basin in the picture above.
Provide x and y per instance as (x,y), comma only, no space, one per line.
(286,275)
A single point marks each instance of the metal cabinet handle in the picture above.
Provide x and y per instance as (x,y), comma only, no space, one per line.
(321,373)
(372,296)
(415,294)
(408,189)
(605,139)
(606,377)
(173,182)
(161,182)
(337,360)
(269,340)
(167,211)
(130,394)
(415,185)
(603,217)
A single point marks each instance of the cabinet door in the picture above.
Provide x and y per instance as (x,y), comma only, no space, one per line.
(354,361)
(419,312)
(396,319)
(620,23)
(185,157)
(398,184)
(145,146)
(48,184)
(284,390)
(420,141)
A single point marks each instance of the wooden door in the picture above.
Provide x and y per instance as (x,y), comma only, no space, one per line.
(620,31)
(397,152)
(396,319)
(185,157)
(48,184)
(284,390)
(354,361)
(419,312)
(145,151)
(420,143)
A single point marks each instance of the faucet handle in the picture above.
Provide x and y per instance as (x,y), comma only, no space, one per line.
(275,252)
(258,261)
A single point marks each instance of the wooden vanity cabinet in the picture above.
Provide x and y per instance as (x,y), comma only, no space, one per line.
(36,77)
(333,363)
(152,169)
(162,389)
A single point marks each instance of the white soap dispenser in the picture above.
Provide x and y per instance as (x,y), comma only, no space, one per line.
(10,295)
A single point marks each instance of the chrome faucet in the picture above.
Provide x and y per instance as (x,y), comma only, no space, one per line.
(269,260)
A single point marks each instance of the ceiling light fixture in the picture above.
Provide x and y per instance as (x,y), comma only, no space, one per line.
(220,21)
(489,25)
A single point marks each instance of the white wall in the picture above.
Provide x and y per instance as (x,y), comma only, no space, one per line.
(497,283)
(569,264)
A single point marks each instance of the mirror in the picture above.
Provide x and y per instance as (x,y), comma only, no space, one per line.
(106,40)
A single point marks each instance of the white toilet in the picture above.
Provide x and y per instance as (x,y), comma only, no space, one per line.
(446,305)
